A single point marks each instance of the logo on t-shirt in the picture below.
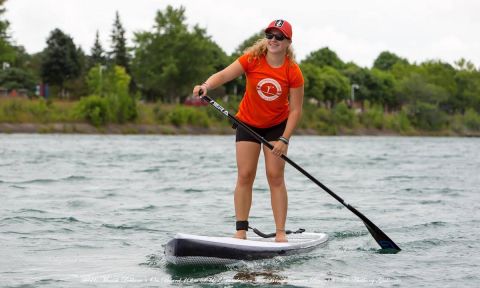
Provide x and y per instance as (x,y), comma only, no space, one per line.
(269,89)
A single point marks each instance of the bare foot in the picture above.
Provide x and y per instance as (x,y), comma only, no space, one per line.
(240,234)
(281,236)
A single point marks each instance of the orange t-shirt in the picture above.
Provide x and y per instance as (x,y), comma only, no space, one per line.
(265,103)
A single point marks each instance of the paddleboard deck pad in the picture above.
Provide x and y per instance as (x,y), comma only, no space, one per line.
(187,249)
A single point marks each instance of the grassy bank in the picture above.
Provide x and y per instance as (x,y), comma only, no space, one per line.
(24,115)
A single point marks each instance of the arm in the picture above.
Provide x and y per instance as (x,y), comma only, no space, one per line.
(296,102)
(231,72)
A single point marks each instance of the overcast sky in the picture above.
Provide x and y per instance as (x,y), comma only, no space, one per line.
(358,30)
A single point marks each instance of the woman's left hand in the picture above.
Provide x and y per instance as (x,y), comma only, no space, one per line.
(279,148)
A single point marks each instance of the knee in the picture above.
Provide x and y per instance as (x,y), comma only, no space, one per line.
(275,179)
(245,178)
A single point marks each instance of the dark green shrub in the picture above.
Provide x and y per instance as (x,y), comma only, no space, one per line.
(184,115)
(372,117)
(427,117)
(123,107)
(343,116)
(40,110)
(160,113)
(12,109)
(94,109)
(113,84)
(471,120)
(398,122)
(179,115)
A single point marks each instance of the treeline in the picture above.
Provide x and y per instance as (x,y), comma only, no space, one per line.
(165,62)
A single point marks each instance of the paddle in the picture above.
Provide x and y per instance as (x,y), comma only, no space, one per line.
(382,239)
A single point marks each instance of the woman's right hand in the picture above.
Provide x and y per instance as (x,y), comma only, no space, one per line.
(198,88)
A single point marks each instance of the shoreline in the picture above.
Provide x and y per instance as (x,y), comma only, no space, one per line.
(156,129)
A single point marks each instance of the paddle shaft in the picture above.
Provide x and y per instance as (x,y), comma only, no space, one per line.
(382,239)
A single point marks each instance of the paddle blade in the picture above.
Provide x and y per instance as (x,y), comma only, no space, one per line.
(382,239)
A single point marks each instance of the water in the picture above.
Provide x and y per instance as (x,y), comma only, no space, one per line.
(90,211)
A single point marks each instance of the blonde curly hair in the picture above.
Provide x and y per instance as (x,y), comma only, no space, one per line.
(259,49)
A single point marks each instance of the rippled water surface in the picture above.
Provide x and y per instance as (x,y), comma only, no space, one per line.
(90,211)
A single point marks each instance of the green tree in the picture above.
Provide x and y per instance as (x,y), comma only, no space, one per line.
(441,74)
(423,100)
(314,83)
(77,86)
(119,54)
(324,57)
(361,77)
(16,78)
(386,60)
(382,87)
(375,86)
(82,61)
(427,116)
(402,70)
(468,90)
(97,53)
(95,80)
(416,88)
(61,61)
(123,106)
(22,58)
(170,59)
(30,62)
(465,65)
(336,87)
(113,85)
(7,53)
(22,72)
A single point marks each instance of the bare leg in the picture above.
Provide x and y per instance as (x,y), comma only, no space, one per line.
(247,160)
(275,167)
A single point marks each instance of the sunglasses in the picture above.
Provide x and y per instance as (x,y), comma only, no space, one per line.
(278,37)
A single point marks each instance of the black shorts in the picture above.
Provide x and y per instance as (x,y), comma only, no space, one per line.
(270,133)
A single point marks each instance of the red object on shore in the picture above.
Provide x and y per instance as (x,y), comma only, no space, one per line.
(194,101)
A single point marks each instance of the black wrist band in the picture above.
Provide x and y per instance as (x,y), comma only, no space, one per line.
(283,139)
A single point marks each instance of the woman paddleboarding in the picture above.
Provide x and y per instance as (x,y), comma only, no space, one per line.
(272,107)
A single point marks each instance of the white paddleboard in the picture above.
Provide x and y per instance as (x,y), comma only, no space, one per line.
(187,249)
